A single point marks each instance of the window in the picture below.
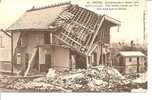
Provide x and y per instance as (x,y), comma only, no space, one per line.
(130,59)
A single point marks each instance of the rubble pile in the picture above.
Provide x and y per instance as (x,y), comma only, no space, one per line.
(98,78)
(94,79)
(39,84)
(17,84)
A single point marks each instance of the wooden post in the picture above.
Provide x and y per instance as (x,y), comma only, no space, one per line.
(101,22)
(98,54)
(39,60)
(87,61)
(12,59)
(73,62)
(51,39)
(31,62)
(101,54)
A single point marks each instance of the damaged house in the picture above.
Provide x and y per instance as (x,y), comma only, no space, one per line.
(62,36)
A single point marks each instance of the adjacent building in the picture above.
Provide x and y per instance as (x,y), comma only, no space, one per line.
(5,52)
(131,62)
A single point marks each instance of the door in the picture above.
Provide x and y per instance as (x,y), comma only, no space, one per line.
(47,62)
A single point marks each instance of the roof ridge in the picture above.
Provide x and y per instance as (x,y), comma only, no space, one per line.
(49,6)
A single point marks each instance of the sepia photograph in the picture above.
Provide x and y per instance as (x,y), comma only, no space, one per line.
(73,46)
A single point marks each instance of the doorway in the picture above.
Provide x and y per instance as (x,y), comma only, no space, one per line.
(47,62)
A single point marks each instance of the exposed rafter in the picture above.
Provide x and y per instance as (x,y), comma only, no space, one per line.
(6,33)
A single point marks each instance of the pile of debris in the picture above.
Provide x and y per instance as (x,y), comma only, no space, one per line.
(95,79)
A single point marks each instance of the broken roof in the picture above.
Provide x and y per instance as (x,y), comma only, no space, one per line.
(77,27)
(131,53)
(42,18)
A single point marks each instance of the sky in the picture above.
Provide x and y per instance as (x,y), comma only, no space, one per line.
(131,19)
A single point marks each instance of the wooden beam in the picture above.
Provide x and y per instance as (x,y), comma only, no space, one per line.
(92,49)
(95,25)
(6,33)
(71,45)
(89,19)
(101,22)
(72,39)
(98,54)
(12,53)
(77,14)
(80,15)
(81,32)
(69,26)
(31,30)
(70,9)
(86,18)
(82,18)
(74,11)
(87,28)
(39,67)
(89,39)
(31,62)
(84,38)
(94,21)
(101,57)
(87,61)
(82,35)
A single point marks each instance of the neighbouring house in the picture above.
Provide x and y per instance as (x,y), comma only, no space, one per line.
(131,62)
(5,51)
(62,36)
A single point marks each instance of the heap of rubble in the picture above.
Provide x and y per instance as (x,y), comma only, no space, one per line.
(95,79)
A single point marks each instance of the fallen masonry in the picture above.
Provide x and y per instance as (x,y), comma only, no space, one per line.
(95,79)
